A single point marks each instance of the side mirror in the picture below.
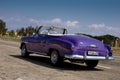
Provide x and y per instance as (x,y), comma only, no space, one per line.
(33,33)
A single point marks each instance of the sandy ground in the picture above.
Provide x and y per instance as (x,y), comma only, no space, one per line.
(14,67)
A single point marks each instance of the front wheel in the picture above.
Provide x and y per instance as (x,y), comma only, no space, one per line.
(55,58)
(91,63)
(24,52)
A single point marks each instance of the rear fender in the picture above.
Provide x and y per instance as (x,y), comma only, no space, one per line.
(108,47)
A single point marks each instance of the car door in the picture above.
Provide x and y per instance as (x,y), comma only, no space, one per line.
(34,43)
(37,43)
(44,43)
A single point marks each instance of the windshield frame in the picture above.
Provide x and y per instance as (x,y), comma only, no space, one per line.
(51,28)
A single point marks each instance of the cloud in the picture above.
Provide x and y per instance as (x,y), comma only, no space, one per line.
(56,20)
(15,19)
(72,23)
(60,22)
(1,17)
(101,29)
(52,21)
(97,26)
(33,20)
(113,29)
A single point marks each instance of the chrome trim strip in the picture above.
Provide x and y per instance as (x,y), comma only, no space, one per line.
(26,42)
(87,57)
(111,58)
(74,56)
(37,52)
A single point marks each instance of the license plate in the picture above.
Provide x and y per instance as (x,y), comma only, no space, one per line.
(92,53)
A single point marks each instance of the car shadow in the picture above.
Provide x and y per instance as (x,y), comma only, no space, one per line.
(45,61)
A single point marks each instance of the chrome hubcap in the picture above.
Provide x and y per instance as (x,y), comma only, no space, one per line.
(54,57)
(23,51)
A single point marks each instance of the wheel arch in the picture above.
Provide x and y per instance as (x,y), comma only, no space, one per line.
(22,45)
(51,49)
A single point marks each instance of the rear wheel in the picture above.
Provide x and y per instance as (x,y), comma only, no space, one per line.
(55,58)
(24,52)
(91,63)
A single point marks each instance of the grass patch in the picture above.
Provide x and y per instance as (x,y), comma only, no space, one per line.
(9,38)
(116,50)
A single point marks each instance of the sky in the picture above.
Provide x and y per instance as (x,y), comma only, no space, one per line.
(94,17)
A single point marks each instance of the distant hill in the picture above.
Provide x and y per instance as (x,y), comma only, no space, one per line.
(107,39)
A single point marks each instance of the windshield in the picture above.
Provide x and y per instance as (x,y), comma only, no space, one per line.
(52,30)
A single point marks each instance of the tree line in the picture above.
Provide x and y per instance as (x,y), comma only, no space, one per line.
(107,38)
(27,31)
(3,28)
(19,32)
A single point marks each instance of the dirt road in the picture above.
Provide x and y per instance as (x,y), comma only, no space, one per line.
(14,67)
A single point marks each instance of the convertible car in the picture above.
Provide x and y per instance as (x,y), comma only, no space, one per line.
(56,43)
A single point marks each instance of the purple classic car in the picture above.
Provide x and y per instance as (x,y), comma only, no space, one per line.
(56,43)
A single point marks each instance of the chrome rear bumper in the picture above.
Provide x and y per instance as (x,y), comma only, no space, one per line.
(73,56)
